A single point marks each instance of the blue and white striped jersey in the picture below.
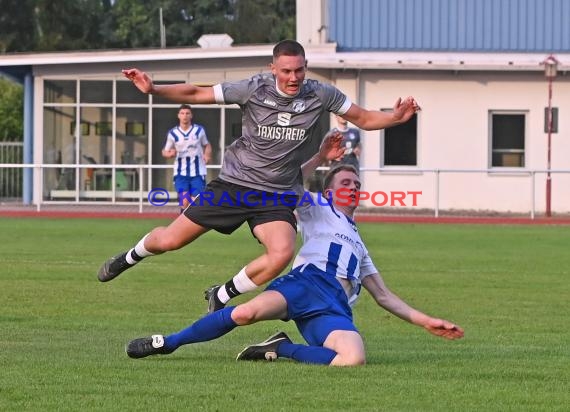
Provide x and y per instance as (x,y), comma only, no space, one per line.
(332,243)
(189,145)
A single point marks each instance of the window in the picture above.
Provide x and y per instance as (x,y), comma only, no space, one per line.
(134,129)
(110,122)
(129,94)
(84,130)
(103,128)
(59,91)
(507,139)
(59,147)
(400,144)
(96,91)
(233,127)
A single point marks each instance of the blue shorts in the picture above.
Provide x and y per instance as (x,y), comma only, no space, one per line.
(193,185)
(316,302)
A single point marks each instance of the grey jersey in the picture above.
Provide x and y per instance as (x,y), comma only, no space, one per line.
(276,130)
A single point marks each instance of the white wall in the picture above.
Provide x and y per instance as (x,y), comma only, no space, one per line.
(453,133)
(310,21)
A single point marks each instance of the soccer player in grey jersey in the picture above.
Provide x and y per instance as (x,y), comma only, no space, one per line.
(280,111)
(277,130)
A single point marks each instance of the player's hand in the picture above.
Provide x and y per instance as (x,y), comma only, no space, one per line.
(169,153)
(403,110)
(140,79)
(331,146)
(444,328)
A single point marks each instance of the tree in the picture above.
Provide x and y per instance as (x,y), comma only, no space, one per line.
(16,26)
(263,21)
(11,111)
(134,24)
(58,25)
(68,24)
(186,21)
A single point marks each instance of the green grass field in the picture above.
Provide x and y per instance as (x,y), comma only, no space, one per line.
(63,333)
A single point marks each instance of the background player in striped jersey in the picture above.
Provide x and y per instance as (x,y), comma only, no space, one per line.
(317,294)
(189,145)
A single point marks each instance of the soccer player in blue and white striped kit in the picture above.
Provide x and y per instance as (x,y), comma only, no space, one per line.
(318,293)
(189,145)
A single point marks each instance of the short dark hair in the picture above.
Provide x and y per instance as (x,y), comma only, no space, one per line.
(185,106)
(288,48)
(327,181)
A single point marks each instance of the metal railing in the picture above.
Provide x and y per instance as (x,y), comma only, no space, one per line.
(11,178)
(438,172)
(139,196)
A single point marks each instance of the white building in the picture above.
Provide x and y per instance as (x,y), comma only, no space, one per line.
(479,142)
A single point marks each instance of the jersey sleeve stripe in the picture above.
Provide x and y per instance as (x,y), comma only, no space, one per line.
(219,94)
(345,106)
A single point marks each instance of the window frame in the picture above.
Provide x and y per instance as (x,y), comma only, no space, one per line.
(76,103)
(382,148)
(522,152)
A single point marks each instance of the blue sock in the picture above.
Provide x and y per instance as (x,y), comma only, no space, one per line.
(209,327)
(307,354)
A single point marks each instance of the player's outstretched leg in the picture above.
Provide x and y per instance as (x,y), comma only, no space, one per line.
(116,265)
(266,350)
(209,327)
(143,347)
(113,267)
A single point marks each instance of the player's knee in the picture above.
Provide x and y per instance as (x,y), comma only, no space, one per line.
(281,257)
(165,242)
(350,359)
(349,348)
(244,315)
(356,360)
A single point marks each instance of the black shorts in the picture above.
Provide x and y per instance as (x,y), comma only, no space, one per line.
(224,207)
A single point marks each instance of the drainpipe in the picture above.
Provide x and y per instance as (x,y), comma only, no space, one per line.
(28,138)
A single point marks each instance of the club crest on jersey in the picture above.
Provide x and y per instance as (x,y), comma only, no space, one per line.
(298,106)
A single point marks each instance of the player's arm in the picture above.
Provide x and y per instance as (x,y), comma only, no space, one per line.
(330,149)
(207,153)
(375,285)
(169,151)
(180,93)
(402,111)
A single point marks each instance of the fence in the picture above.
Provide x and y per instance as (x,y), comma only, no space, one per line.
(140,191)
(11,178)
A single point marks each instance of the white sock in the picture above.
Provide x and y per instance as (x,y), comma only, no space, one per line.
(223,295)
(139,250)
(242,284)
